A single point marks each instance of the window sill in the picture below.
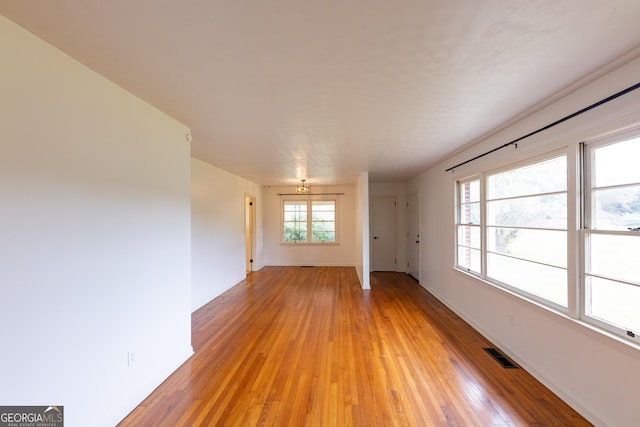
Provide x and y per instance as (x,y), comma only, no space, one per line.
(612,340)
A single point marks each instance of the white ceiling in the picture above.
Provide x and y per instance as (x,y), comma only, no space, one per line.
(279,90)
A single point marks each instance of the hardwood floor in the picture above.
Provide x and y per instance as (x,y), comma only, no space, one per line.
(307,347)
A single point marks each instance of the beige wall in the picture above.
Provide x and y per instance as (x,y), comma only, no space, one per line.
(361,214)
(218,230)
(94,237)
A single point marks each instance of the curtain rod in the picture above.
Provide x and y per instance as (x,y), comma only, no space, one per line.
(310,194)
(557,122)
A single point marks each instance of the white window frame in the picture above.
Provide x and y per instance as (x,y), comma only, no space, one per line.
(587,230)
(579,165)
(572,282)
(309,202)
(460,222)
(486,226)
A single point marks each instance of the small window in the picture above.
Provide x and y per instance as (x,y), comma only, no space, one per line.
(309,221)
(468,226)
(295,221)
(323,221)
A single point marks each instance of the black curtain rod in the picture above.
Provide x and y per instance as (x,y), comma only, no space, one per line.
(557,122)
(310,194)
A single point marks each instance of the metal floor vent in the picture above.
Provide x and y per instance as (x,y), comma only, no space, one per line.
(306,266)
(501,358)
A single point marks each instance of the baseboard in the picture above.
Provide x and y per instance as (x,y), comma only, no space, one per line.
(547,382)
(154,384)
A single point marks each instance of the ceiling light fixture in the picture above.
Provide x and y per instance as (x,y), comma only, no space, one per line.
(303,188)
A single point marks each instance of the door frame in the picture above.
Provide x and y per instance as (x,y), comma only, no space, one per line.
(249,231)
(413,253)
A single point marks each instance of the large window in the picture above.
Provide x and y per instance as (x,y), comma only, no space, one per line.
(521,213)
(527,228)
(518,228)
(612,235)
(309,221)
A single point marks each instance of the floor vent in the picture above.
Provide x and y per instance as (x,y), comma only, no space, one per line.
(306,266)
(501,358)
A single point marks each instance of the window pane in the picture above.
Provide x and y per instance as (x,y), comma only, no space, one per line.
(294,206)
(323,210)
(320,235)
(468,256)
(470,191)
(615,303)
(295,211)
(323,226)
(295,216)
(323,205)
(548,211)
(295,231)
(323,236)
(546,246)
(615,257)
(323,220)
(617,164)
(546,282)
(469,259)
(295,221)
(545,177)
(469,235)
(617,209)
(322,215)
(470,213)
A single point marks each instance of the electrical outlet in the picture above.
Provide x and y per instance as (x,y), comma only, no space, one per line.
(512,319)
(131,357)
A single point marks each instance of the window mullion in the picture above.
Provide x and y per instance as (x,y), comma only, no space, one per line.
(483,226)
(574,218)
(309,221)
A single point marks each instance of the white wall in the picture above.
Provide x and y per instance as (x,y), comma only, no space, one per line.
(597,375)
(218,230)
(341,254)
(94,237)
(397,190)
(361,214)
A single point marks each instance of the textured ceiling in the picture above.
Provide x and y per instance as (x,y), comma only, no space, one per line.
(276,91)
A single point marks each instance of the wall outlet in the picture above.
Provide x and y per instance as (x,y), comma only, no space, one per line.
(512,319)
(131,357)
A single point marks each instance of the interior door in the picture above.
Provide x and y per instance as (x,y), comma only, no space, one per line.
(383,218)
(413,236)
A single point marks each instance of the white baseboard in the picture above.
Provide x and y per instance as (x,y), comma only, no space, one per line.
(547,382)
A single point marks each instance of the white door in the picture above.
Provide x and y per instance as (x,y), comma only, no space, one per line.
(383,218)
(413,236)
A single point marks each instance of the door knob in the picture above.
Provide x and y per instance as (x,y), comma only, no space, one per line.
(375,237)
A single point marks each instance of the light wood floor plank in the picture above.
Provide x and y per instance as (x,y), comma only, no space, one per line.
(307,347)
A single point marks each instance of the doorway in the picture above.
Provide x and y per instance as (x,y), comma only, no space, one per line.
(413,236)
(383,218)
(249,230)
